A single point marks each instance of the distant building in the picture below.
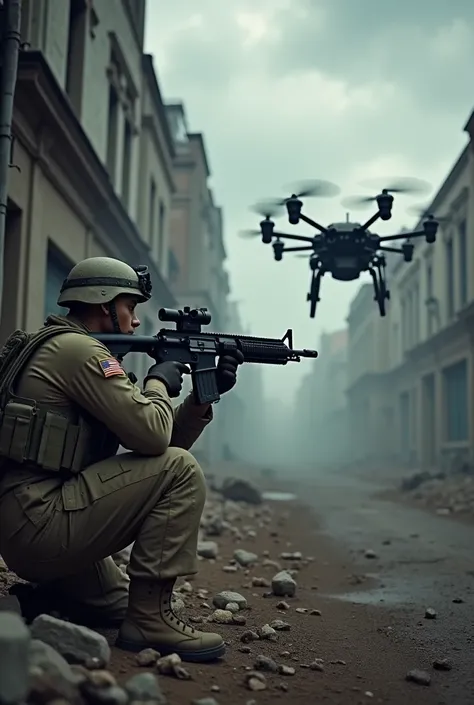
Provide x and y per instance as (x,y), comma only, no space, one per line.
(197,273)
(244,431)
(321,428)
(90,140)
(411,373)
(197,253)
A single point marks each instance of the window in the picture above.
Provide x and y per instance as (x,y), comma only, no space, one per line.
(429,298)
(173,267)
(463,264)
(416,314)
(151,212)
(57,269)
(127,162)
(404,325)
(409,320)
(456,402)
(112,133)
(450,278)
(75,52)
(161,232)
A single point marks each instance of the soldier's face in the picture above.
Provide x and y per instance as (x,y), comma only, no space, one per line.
(126,313)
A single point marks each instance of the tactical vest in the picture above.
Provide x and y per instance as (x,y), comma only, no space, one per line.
(30,433)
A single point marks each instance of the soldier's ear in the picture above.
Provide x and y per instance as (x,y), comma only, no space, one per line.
(105,308)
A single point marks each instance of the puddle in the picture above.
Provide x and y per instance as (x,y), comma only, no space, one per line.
(279,496)
(372,597)
(406,592)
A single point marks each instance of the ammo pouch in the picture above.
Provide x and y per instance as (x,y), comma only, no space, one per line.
(46,439)
(30,433)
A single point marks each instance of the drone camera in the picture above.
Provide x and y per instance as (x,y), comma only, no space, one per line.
(293,206)
(384,203)
(408,249)
(278,248)
(267,227)
(430,228)
(313,263)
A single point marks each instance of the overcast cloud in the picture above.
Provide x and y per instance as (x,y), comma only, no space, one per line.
(335,89)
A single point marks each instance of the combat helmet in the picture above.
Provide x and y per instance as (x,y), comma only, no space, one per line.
(99,280)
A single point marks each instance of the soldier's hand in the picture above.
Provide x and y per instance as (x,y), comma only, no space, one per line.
(227,366)
(171,374)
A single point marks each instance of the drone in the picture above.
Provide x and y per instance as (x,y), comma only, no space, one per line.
(344,249)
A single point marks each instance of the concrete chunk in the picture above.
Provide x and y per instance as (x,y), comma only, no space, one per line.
(76,643)
(14,658)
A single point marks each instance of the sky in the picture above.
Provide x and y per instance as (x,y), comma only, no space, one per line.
(287,90)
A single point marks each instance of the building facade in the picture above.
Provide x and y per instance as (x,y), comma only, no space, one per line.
(415,396)
(198,255)
(86,109)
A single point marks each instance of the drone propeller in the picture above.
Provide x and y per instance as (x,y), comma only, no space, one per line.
(425,212)
(357,202)
(401,185)
(268,208)
(249,234)
(312,188)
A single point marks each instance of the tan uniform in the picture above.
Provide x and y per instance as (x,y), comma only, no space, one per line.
(63,527)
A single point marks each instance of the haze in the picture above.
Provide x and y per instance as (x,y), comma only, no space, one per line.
(285,91)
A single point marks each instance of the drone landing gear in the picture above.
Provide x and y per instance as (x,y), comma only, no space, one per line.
(313,296)
(381,293)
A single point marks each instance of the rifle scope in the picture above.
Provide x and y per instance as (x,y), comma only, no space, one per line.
(195,315)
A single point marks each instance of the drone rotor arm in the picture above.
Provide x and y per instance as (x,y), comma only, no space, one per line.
(370,221)
(396,250)
(403,236)
(298,249)
(298,238)
(313,224)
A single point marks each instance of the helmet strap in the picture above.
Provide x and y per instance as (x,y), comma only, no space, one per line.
(114,317)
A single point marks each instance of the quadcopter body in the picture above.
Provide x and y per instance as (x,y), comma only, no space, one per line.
(342,249)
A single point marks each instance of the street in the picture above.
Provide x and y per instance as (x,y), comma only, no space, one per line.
(382,590)
(375,567)
(422,561)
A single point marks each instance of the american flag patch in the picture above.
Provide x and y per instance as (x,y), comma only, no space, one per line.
(111,367)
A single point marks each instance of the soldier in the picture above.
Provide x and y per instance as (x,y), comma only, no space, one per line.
(68,502)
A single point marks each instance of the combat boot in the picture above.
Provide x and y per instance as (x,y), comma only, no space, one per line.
(151,623)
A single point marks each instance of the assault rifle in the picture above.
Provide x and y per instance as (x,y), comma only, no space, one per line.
(188,344)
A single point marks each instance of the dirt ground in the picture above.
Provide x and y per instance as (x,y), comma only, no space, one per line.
(365,652)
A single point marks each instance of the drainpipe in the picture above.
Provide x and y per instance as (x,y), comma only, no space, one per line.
(11,40)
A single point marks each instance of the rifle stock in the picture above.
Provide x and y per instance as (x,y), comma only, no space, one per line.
(199,349)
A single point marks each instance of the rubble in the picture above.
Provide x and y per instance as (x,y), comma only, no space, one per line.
(76,643)
(145,688)
(14,658)
(256,681)
(283,584)
(274,654)
(446,494)
(442,664)
(245,558)
(239,490)
(207,549)
(265,663)
(148,657)
(418,677)
(222,599)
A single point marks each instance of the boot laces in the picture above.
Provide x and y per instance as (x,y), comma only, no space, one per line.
(173,617)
